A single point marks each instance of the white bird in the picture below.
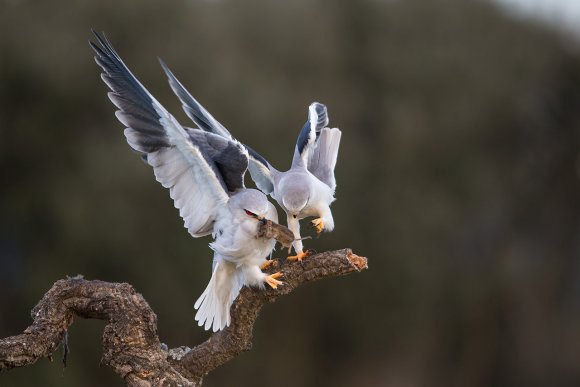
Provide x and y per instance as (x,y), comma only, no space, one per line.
(204,173)
(307,188)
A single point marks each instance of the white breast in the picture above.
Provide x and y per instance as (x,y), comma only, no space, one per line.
(236,242)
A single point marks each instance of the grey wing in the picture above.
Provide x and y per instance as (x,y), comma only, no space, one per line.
(260,170)
(230,158)
(179,162)
(194,110)
(322,159)
(317,119)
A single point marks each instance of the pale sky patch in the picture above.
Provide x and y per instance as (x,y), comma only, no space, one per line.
(562,14)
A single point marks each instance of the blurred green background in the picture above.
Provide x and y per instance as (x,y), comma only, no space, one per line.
(457,178)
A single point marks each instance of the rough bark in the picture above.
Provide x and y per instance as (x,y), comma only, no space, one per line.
(131,345)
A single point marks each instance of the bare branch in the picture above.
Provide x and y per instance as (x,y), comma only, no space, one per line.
(131,345)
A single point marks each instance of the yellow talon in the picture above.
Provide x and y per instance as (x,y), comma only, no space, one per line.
(318,225)
(300,256)
(267,264)
(272,281)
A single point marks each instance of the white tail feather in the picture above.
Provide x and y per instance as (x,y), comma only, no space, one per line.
(213,306)
(329,143)
(323,159)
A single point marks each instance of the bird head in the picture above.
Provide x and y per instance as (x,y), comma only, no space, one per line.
(251,206)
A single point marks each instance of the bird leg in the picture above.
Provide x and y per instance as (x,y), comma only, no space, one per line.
(294,226)
(318,225)
(272,281)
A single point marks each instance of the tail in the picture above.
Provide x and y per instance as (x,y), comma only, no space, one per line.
(323,160)
(213,306)
(328,147)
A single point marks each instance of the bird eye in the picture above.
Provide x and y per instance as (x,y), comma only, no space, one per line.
(249,213)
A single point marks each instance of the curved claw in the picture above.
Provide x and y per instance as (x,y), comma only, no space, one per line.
(272,281)
(267,264)
(318,225)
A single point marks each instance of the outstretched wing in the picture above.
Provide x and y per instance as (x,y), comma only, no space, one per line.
(260,170)
(179,160)
(317,119)
(322,159)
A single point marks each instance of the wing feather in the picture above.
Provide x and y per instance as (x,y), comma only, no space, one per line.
(230,157)
(180,164)
(194,110)
(261,171)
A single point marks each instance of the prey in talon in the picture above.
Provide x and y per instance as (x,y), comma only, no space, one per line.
(284,236)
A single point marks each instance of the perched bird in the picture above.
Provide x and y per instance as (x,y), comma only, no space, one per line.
(205,176)
(307,188)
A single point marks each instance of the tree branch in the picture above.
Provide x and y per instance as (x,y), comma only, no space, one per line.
(131,345)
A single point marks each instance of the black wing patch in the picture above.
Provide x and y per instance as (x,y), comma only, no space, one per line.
(229,157)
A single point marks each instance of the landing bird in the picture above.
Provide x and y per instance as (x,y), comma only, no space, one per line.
(307,188)
(205,176)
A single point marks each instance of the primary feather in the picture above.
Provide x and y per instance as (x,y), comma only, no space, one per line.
(179,164)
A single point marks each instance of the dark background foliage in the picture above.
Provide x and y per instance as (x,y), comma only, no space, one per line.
(457,177)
